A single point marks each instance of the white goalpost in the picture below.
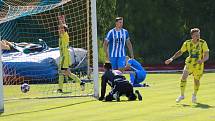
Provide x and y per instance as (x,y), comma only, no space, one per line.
(31,29)
(95,48)
(1,83)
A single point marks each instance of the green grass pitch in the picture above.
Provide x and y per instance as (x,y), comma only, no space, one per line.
(158,104)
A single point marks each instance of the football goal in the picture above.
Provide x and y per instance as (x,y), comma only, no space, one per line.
(30,52)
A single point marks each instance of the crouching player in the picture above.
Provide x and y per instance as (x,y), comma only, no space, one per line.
(120,86)
(138,75)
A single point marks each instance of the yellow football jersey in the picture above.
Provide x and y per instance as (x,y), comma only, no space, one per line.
(65,60)
(196,51)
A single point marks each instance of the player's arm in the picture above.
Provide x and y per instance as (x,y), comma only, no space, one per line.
(130,48)
(176,55)
(61,20)
(205,58)
(105,45)
(103,87)
(205,53)
(128,66)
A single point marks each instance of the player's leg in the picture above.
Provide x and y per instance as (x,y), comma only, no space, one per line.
(131,96)
(121,63)
(138,95)
(113,94)
(185,74)
(183,83)
(113,61)
(61,80)
(116,92)
(196,88)
(60,83)
(197,76)
(75,78)
(109,97)
(140,77)
(130,92)
(132,77)
(62,74)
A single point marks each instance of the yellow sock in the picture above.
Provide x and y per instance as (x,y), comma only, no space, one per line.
(183,85)
(60,81)
(196,88)
(74,77)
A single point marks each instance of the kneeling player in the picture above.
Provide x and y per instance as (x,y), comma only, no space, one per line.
(120,86)
(139,73)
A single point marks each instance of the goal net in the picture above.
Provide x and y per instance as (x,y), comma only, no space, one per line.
(30,30)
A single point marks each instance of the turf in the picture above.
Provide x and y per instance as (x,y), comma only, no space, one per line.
(158,104)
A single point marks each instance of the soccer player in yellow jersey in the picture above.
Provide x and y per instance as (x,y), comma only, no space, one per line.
(65,59)
(194,63)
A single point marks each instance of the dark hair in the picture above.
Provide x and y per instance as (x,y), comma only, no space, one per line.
(118,18)
(108,66)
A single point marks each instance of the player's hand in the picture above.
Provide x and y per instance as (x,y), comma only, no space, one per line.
(168,61)
(101,98)
(127,67)
(59,17)
(200,61)
(63,16)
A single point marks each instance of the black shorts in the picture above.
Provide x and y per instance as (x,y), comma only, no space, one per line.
(124,88)
(64,68)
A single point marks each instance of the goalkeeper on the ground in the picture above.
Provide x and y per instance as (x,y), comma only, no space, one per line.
(120,86)
(65,59)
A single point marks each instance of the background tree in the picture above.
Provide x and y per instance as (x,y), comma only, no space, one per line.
(158,28)
(106,13)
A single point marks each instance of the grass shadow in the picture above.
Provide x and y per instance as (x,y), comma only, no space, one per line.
(203,106)
(197,105)
(122,101)
(47,109)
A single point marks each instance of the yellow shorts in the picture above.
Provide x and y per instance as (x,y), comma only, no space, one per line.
(195,70)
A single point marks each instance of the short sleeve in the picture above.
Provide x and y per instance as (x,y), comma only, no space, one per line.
(205,47)
(184,47)
(109,36)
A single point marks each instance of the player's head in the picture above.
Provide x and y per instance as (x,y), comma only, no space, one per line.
(119,22)
(195,33)
(107,66)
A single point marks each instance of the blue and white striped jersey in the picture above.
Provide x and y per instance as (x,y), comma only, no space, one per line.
(116,41)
